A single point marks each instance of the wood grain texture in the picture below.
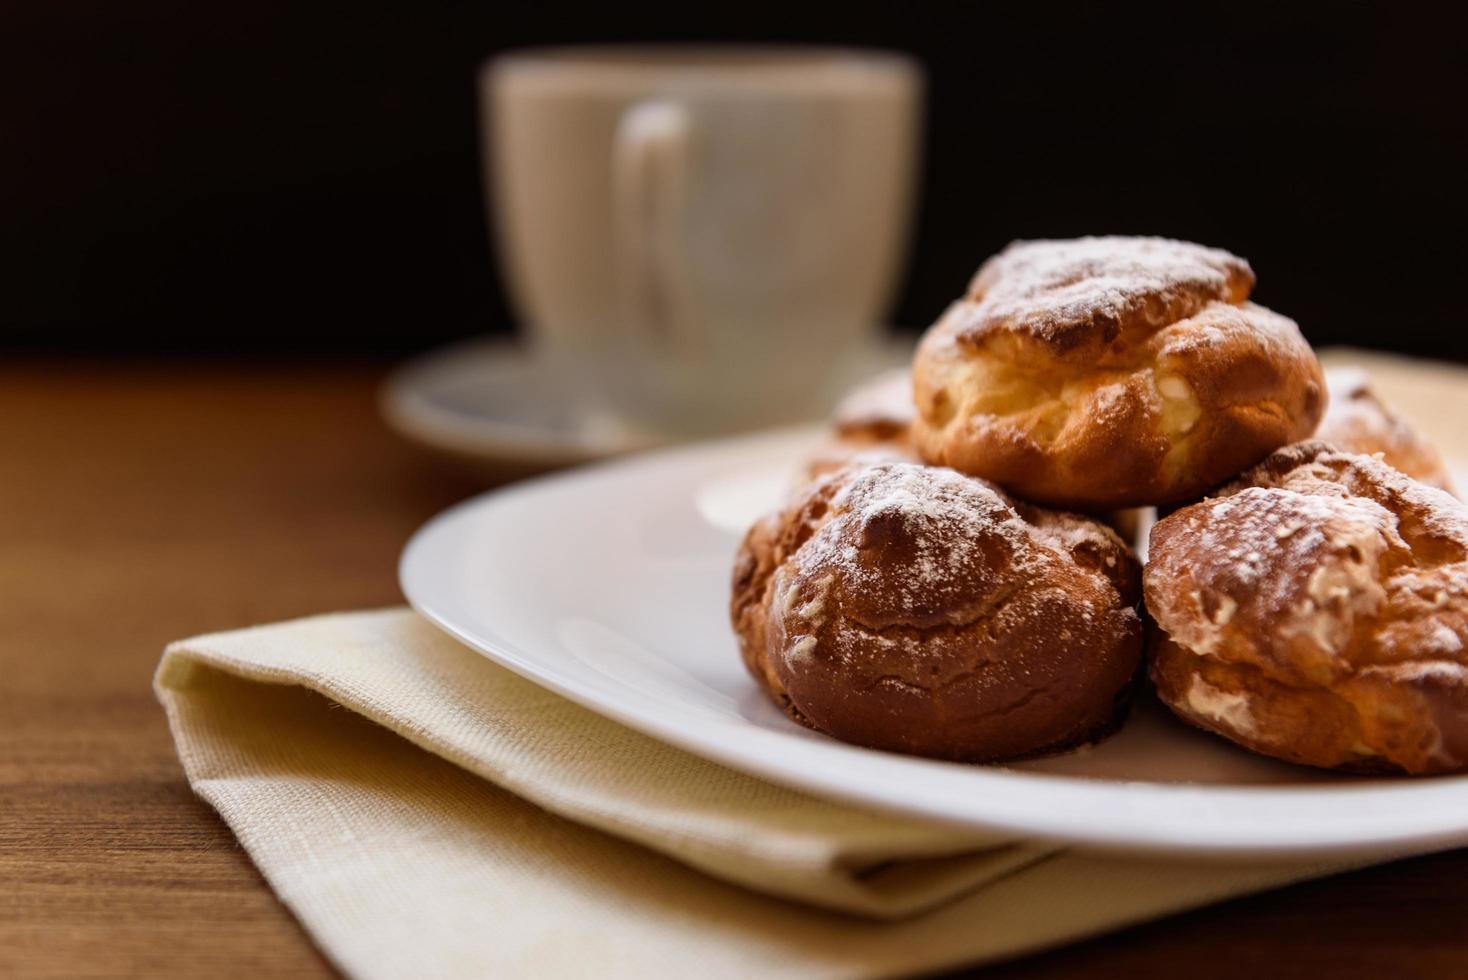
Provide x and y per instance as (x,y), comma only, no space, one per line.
(145,502)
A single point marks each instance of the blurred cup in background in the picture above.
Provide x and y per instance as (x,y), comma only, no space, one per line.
(702,239)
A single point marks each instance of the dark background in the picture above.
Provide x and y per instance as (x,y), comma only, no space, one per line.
(223,177)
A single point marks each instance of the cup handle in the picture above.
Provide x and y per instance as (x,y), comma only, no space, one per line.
(650,184)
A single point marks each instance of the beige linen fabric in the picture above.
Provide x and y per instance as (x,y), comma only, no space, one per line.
(426,813)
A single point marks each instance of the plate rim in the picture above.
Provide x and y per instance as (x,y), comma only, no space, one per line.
(405,406)
(1130,840)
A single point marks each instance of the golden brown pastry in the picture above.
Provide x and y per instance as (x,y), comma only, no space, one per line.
(1358,422)
(914,609)
(872,424)
(1316,610)
(878,411)
(1104,373)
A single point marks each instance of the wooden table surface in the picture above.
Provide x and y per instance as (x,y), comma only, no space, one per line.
(140,503)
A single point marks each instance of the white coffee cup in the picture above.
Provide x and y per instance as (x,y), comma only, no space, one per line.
(705,233)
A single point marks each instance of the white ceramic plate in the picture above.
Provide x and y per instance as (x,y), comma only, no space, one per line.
(610,586)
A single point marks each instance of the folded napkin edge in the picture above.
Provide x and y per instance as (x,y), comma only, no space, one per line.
(848,882)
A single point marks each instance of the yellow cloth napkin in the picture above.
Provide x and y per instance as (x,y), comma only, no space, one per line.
(425,812)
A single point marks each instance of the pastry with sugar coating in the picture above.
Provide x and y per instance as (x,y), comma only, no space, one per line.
(1105,373)
(872,424)
(914,609)
(1316,610)
(879,409)
(1357,421)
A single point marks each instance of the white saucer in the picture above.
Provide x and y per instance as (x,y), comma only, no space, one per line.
(493,403)
(610,586)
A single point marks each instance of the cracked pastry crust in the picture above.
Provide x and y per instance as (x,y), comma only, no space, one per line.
(913,609)
(1357,421)
(873,424)
(1104,373)
(1316,610)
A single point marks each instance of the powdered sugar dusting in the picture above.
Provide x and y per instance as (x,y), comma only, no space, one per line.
(1305,564)
(1338,551)
(1356,421)
(912,607)
(1218,325)
(915,532)
(1068,533)
(1321,572)
(925,546)
(1051,287)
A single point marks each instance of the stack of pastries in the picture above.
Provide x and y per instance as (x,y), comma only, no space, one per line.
(949,580)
